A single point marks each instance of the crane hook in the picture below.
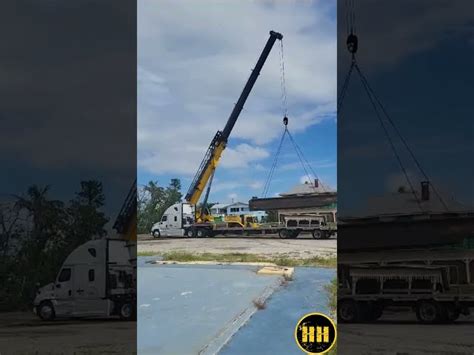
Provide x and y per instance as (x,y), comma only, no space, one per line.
(285,121)
(352,43)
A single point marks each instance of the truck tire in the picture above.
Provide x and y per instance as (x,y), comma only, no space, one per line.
(201,233)
(347,311)
(376,311)
(46,311)
(284,234)
(126,311)
(428,312)
(295,234)
(449,313)
(369,312)
(190,233)
(156,234)
(317,234)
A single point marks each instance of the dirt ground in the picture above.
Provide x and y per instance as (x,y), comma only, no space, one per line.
(399,333)
(268,246)
(24,333)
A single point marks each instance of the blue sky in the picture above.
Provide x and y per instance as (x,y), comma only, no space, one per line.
(194,60)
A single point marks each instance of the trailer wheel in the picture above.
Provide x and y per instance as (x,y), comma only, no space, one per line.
(126,311)
(295,234)
(347,311)
(201,233)
(449,312)
(46,311)
(376,311)
(428,312)
(190,233)
(370,312)
(284,234)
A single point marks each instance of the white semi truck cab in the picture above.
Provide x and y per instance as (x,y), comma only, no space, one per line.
(96,280)
(174,221)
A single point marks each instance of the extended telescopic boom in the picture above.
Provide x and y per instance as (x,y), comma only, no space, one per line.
(218,143)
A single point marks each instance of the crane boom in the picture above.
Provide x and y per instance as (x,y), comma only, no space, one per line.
(219,142)
(126,222)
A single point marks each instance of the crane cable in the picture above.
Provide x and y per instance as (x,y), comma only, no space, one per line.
(284,102)
(274,164)
(303,160)
(402,139)
(352,46)
(286,132)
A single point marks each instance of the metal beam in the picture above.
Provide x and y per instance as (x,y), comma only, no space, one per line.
(290,202)
(408,231)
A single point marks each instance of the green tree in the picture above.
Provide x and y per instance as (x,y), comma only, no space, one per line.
(48,216)
(44,231)
(37,259)
(86,220)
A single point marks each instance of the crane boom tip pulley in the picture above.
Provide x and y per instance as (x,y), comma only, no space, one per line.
(278,35)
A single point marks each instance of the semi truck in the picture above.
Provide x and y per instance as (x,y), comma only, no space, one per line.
(96,280)
(179,220)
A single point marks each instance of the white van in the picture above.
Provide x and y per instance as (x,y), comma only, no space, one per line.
(96,280)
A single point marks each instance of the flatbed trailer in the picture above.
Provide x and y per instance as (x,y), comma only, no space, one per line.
(202,230)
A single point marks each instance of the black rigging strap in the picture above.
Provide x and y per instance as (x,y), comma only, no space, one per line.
(274,164)
(309,171)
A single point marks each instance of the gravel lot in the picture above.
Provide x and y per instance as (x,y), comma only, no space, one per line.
(268,246)
(24,333)
(399,333)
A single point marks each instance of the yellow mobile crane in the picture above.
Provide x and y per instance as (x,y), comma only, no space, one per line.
(213,154)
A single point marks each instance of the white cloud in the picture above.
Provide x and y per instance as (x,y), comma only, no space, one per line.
(233,197)
(242,155)
(296,165)
(233,185)
(194,60)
